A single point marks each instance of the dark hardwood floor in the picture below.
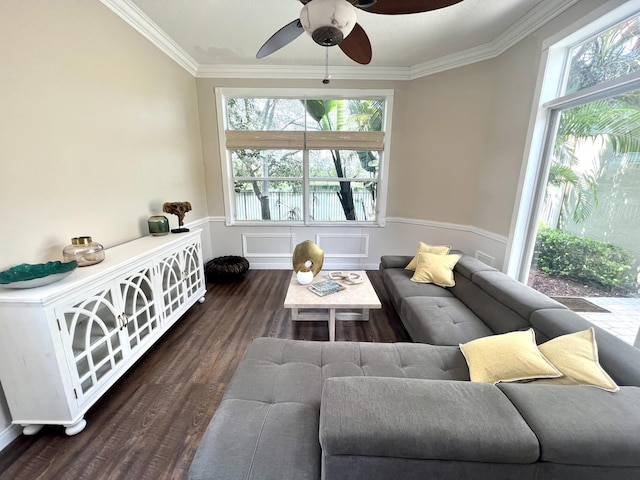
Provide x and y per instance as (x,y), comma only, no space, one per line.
(150,423)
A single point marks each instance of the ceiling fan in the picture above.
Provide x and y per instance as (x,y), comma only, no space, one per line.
(333,22)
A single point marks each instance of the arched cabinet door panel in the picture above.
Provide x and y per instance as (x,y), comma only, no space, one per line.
(107,326)
(193,273)
(182,279)
(172,285)
(141,313)
(91,332)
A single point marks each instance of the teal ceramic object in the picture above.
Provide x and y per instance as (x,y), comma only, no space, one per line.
(28,275)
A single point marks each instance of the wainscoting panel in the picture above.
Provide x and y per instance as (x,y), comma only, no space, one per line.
(274,245)
(349,247)
(343,245)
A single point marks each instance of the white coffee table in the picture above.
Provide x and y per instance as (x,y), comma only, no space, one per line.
(307,306)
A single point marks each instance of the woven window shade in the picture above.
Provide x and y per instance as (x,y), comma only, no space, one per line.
(271,140)
(373,141)
(261,140)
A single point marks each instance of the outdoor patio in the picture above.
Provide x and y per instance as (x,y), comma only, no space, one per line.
(623,319)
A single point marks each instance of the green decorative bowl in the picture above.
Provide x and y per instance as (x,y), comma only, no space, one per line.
(28,275)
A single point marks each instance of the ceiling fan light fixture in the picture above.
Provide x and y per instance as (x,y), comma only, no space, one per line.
(328,21)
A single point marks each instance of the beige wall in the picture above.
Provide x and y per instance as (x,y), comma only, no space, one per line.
(441,145)
(97,129)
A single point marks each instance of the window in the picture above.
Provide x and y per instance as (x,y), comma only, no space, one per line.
(606,56)
(293,157)
(581,183)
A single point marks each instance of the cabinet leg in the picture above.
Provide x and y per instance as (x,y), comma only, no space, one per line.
(201,299)
(31,429)
(76,428)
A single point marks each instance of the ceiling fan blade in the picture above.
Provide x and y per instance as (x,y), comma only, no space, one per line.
(357,46)
(364,4)
(282,37)
(398,7)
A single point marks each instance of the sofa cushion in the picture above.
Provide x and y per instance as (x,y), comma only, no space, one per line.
(398,285)
(508,357)
(581,426)
(423,419)
(277,370)
(413,360)
(467,266)
(500,318)
(517,296)
(437,269)
(426,248)
(619,359)
(245,437)
(394,261)
(441,321)
(576,356)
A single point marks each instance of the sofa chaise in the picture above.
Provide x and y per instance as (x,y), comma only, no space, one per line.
(356,410)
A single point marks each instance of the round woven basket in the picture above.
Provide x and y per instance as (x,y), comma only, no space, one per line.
(226,269)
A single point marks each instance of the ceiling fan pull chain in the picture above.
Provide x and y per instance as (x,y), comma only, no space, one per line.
(327,77)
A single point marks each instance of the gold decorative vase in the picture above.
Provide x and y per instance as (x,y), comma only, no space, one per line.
(84,251)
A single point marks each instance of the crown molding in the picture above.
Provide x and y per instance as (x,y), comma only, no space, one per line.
(533,20)
(141,23)
(302,72)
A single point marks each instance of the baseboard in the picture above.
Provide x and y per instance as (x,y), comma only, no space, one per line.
(287,266)
(8,435)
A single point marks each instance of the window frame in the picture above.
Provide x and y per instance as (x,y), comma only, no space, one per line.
(221,95)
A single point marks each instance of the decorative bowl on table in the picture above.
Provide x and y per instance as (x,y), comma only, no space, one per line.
(28,275)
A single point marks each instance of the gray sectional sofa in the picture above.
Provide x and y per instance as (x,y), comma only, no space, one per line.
(346,410)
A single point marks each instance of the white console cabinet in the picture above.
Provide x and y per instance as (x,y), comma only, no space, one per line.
(62,346)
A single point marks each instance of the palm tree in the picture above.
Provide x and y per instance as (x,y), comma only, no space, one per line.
(340,115)
(332,115)
(613,123)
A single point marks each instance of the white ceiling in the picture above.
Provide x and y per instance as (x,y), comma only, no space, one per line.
(218,37)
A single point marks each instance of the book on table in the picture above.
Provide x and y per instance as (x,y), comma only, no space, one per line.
(326,287)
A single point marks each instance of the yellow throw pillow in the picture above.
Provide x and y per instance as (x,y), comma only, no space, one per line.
(508,357)
(576,356)
(436,269)
(425,248)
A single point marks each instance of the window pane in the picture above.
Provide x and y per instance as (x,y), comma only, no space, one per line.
(265,114)
(609,55)
(345,115)
(589,241)
(340,201)
(343,164)
(265,200)
(266,163)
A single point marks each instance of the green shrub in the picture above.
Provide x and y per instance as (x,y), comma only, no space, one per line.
(583,260)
